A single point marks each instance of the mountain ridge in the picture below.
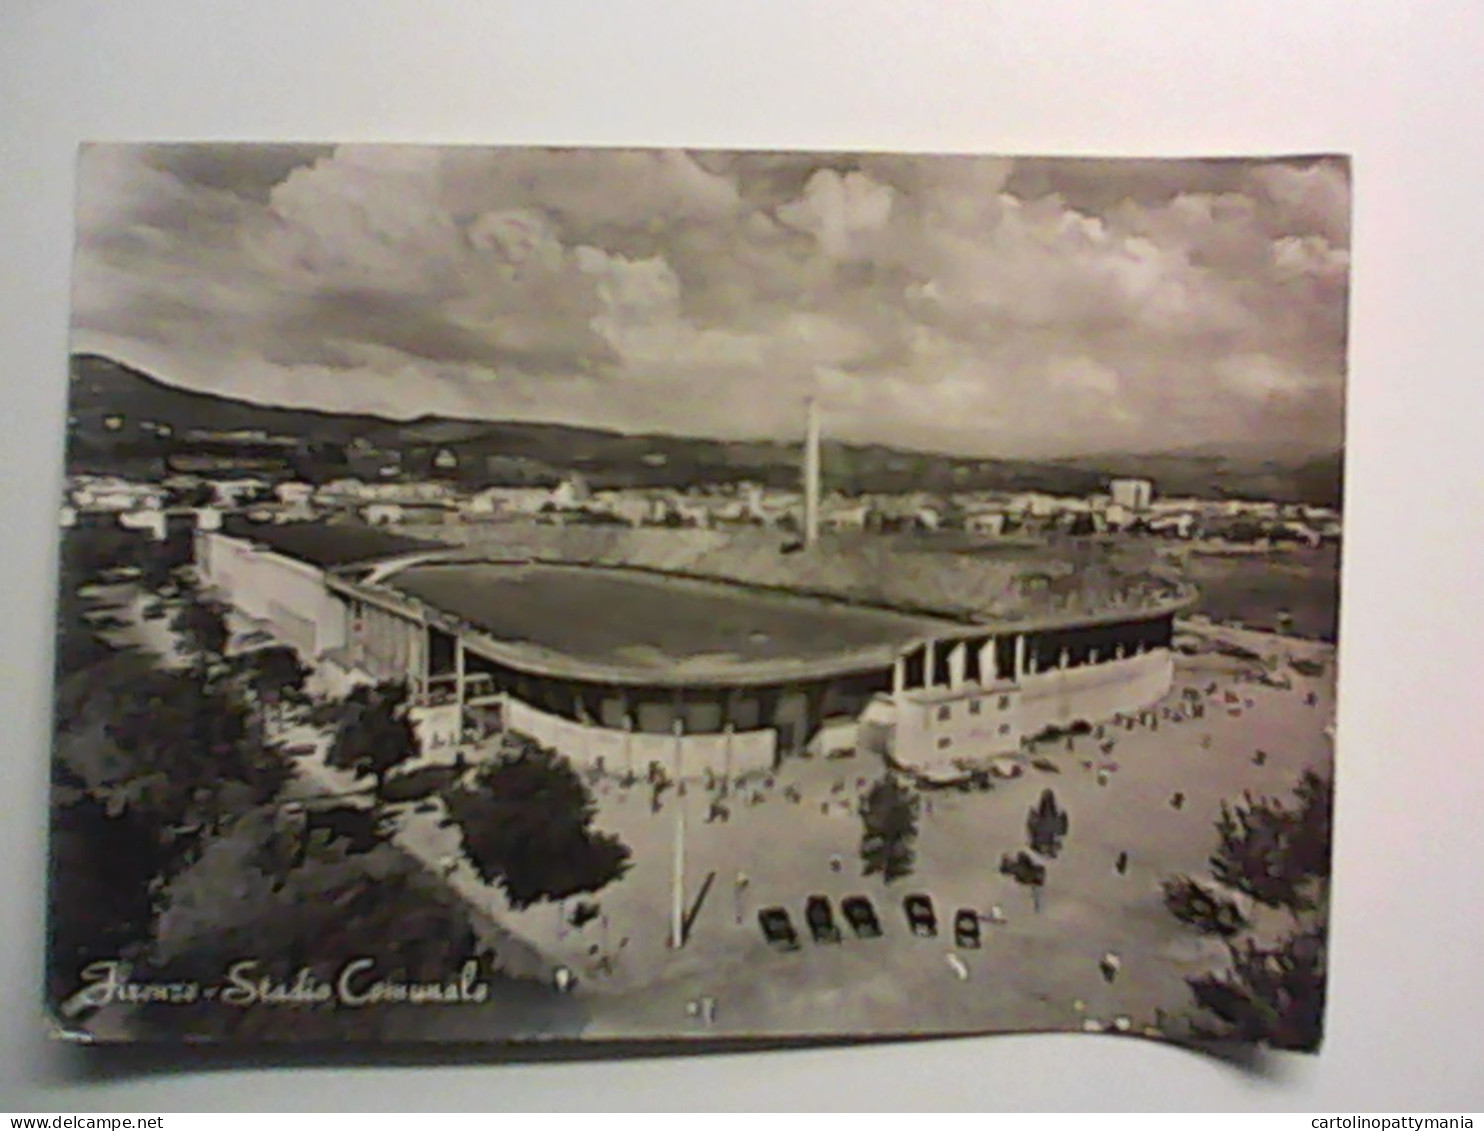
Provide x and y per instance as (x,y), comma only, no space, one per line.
(117,411)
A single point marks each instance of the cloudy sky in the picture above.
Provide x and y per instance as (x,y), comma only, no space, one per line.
(973,305)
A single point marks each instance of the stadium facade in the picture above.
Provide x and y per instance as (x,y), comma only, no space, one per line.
(624,667)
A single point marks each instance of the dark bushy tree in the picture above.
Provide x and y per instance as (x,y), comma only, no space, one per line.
(526,822)
(1207,911)
(342,903)
(276,675)
(1279,856)
(1309,848)
(889,830)
(202,624)
(1274,853)
(188,753)
(301,835)
(100,901)
(78,645)
(1046,826)
(375,734)
(1253,856)
(1273,995)
(1024,869)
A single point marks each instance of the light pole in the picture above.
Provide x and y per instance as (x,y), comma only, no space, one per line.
(677,889)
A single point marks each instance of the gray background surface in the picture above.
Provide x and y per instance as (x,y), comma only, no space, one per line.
(1396,84)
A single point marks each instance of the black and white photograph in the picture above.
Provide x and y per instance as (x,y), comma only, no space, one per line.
(521,594)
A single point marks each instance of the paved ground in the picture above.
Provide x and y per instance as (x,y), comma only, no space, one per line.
(1037,970)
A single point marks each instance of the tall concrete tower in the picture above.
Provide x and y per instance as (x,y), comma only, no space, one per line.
(811,474)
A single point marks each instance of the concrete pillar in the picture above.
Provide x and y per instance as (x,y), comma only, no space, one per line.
(929,662)
(1063,660)
(956,662)
(898,678)
(989,670)
(427,659)
(458,685)
(1020,657)
(727,731)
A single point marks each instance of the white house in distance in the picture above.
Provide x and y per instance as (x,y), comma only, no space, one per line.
(1134,494)
(498,502)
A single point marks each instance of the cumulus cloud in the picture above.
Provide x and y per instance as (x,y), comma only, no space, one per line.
(972,304)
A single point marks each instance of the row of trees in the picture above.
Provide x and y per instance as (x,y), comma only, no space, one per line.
(890,813)
(178,814)
(1276,853)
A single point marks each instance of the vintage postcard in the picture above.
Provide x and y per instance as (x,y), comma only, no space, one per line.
(516,594)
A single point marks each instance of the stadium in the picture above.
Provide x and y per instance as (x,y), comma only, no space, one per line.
(708,652)
(702,651)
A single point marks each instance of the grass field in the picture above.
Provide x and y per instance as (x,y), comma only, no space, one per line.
(651,622)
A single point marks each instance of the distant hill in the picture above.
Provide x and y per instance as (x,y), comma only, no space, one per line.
(126,421)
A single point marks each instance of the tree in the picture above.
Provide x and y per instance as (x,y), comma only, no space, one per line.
(202,622)
(1309,846)
(375,734)
(1280,857)
(1252,856)
(889,830)
(276,676)
(301,834)
(78,643)
(99,893)
(1026,871)
(526,822)
(187,753)
(1046,826)
(1274,995)
(345,901)
(1273,853)
(1197,905)
(155,561)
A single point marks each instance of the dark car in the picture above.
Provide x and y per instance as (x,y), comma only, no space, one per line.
(821,920)
(778,929)
(921,917)
(861,916)
(966,928)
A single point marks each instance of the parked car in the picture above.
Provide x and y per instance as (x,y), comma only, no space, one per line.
(921,917)
(966,928)
(821,920)
(861,916)
(778,929)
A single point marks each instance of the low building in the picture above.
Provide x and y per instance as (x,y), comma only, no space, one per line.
(1134,494)
(988,523)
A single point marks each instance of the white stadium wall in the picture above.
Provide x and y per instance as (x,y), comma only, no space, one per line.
(730,755)
(1095,691)
(937,731)
(289,596)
